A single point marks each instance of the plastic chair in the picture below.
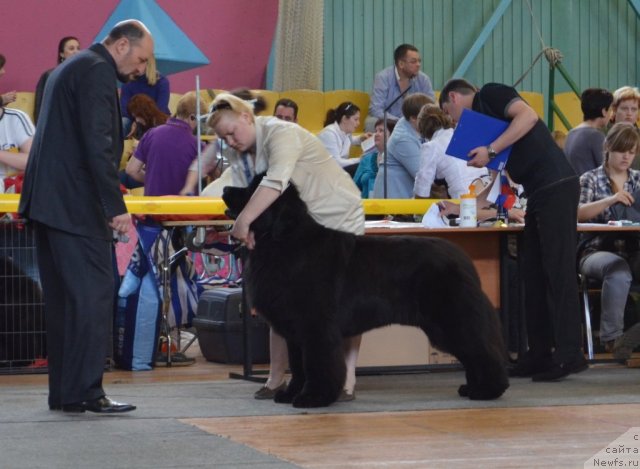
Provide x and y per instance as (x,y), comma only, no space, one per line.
(271,98)
(25,101)
(569,104)
(584,288)
(311,108)
(535,100)
(332,99)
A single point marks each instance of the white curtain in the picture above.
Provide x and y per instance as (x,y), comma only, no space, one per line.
(298,50)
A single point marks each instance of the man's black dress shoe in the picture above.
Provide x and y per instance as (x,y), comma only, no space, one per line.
(559,371)
(101,405)
(530,364)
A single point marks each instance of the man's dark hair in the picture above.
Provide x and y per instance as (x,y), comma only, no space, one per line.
(286,102)
(390,124)
(401,51)
(459,85)
(130,29)
(258,102)
(2,61)
(593,101)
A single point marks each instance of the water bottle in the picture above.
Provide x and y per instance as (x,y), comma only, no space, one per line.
(468,215)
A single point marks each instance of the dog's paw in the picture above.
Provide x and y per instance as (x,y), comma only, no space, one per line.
(284,396)
(484,393)
(311,400)
(463,390)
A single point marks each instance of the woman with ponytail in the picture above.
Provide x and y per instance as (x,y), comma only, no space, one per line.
(337,135)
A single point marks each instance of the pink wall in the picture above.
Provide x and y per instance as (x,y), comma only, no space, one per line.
(236,36)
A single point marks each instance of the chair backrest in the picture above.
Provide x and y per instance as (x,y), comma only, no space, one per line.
(25,101)
(569,104)
(270,97)
(332,99)
(535,100)
(311,108)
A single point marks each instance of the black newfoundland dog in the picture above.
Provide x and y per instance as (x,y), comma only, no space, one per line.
(317,285)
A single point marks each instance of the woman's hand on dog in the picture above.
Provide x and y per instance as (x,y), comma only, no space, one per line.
(242,233)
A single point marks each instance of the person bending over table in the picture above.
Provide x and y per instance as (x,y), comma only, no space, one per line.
(612,258)
(552,308)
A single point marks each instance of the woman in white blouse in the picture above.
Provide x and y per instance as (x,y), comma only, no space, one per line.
(337,135)
(437,128)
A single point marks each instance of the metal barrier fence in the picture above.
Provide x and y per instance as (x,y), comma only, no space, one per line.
(22,323)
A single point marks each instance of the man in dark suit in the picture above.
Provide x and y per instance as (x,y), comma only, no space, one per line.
(71,194)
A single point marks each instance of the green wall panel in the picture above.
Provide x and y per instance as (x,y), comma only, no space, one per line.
(600,40)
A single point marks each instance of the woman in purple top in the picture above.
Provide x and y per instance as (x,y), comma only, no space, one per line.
(163,156)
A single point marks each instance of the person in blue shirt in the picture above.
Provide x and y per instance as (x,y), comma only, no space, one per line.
(393,81)
(403,153)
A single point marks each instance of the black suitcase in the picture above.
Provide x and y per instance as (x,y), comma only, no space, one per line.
(218,323)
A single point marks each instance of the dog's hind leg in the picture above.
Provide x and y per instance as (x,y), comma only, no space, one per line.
(324,366)
(296,383)
(470,330)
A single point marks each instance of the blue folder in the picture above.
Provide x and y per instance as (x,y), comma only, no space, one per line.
(478,130)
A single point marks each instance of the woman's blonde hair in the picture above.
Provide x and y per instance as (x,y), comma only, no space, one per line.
(152,71)
(623,94)
(225,103)
(431,119)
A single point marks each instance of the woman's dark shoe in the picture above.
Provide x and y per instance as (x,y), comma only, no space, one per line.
(268,393)
(101,405)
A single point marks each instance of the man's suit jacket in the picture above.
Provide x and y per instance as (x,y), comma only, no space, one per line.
(71,181)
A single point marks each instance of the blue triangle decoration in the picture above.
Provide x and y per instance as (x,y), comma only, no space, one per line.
(174,51)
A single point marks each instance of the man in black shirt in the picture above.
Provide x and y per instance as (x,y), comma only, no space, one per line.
(552,189)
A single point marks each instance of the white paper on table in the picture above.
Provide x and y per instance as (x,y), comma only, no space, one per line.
(433,219)
(368,144)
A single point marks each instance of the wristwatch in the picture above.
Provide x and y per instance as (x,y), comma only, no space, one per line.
(492,152)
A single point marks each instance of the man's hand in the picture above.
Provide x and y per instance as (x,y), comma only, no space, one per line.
(8,98)
(121,223)
(479,157)
(448,208)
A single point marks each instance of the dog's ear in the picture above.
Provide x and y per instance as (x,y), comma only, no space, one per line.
(235,198)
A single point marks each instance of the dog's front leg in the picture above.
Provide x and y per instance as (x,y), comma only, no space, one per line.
(297,380)
(324,367)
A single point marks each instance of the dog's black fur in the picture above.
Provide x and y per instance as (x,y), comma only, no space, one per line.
(316,285)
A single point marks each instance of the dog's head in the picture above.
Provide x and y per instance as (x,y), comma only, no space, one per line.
(283,216)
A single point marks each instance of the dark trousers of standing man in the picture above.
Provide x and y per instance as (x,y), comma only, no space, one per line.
(551,289)
(78,287)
